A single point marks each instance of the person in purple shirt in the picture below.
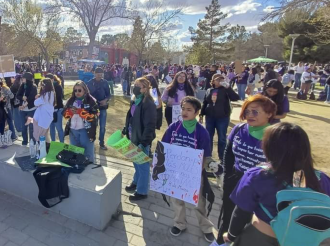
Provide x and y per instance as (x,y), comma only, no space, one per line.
(274,90)
(242,82)
(288,153)
(243,150)
(173,94)
(191,134)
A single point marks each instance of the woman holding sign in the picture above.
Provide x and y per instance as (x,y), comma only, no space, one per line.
(173,94)
(243,150)
(217,109)
(140,129)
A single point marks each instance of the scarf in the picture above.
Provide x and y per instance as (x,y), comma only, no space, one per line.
(138,99)
(181,86)
(189,125)
(257,131)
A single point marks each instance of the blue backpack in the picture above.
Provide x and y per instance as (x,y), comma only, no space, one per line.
(305,218)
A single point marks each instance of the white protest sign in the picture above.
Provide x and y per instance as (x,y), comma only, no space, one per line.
(7,66)
(176,113)
(168,79)
(154,95)
(177,172)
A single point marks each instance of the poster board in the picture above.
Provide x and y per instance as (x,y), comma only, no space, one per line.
(238,67)
(177,172)
(176,113)
(54,149)
(7,66)
(125,147)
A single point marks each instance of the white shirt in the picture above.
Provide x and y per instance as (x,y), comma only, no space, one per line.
(299,69)
(77,122)
(306,76)
(45,109)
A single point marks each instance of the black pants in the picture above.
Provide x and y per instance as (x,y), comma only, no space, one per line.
(230,182)
(286,90)
(168,115)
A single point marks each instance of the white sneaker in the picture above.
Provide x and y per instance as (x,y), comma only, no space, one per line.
(327,102)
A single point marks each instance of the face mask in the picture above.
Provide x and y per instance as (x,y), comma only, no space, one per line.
(136,90)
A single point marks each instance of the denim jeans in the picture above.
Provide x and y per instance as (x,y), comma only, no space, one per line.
(241,91)
(221,125)
(103,122)
(110,83)
(24,115)
(10,122)
(142,175)
(59,127)
(80,138)
(327,90)
(124,84)
(297,80)
(17,119)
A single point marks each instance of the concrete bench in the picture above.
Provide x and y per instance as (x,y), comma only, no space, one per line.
(95,194)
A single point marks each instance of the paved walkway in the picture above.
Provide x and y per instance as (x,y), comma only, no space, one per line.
(146,222)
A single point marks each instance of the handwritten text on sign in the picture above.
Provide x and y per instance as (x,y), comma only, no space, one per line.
(177,172)
(176,113)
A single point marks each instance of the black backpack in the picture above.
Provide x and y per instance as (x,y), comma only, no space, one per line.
(53,185)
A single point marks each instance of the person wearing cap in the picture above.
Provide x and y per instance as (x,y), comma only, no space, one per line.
(26,94)
(99,89)
(57,122)
(216,107)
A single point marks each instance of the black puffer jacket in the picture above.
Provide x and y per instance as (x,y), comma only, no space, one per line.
(221,108)
(30,92)
(143,122)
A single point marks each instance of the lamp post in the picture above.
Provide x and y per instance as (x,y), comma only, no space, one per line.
(266,52)
(294,37)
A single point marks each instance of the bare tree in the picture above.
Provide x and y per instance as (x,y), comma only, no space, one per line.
(152,24)
(34,26)
(93,14)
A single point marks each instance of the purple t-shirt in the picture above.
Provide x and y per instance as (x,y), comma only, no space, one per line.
(285,109)
(260,186)
(199,139)
(247,149)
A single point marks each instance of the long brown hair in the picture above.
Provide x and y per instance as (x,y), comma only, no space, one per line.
(287,148)
(47,87)
(173,87)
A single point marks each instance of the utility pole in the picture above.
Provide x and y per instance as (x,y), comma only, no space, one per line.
(294,37)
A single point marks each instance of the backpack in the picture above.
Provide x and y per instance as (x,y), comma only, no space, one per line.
(301,95)
(304,221)
(312,96)
(322,96)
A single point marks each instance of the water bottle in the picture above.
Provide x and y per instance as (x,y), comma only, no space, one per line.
(42,147)
(32,149)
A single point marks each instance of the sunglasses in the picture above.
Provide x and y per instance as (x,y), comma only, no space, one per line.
(254,113)
(78,90)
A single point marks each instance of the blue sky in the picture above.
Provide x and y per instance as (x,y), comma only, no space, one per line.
(242,12)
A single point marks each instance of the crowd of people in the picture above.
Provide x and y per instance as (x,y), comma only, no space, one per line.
(32,108)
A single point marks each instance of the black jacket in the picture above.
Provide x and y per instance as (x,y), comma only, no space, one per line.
(89,105)
(59,96)
(208,77)
(222,107)
(143,123)
(30,92)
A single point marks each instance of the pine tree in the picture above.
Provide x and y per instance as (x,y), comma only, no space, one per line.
(210,32)
(137,41)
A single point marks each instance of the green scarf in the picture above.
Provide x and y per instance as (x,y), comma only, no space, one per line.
(80,98)
(138,99)
(190,125)
(257,131)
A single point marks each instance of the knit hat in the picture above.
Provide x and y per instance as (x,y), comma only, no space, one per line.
(28,76)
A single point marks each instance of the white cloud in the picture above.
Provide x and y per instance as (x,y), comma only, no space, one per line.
(268,9)
(242,7)
(252,28)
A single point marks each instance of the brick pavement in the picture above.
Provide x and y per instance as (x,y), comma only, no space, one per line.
(146,222)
